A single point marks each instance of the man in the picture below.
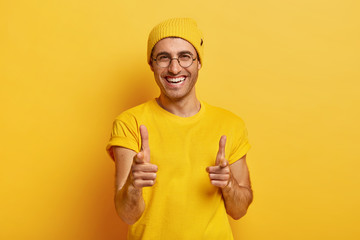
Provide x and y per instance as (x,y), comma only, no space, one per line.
(180,163)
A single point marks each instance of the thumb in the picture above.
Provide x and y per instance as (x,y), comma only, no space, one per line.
(145,149)
(220,158)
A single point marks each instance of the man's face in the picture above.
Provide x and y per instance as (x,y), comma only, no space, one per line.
(174,81)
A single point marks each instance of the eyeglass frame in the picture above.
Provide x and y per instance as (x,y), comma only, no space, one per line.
(193,59)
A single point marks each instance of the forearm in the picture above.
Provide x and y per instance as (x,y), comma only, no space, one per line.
(129,203)
(237,198)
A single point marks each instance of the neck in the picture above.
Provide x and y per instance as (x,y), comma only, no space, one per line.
(182,107)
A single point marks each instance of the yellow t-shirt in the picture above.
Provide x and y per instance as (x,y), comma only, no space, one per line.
(182,204)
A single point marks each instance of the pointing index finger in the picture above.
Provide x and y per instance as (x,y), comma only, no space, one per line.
(220,158)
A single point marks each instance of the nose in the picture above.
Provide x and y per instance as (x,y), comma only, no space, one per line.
(174,66)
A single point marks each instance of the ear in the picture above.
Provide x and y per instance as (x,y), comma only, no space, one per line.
(151,66)
(199,65)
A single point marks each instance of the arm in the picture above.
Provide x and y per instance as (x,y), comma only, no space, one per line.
(129,202)
(133,172)
(234,182)
(238,193)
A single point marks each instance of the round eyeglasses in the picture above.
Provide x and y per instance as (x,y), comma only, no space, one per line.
(184,60)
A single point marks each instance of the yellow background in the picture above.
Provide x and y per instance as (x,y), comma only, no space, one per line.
(290,69)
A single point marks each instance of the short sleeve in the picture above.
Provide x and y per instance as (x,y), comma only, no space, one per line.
(124,133)
(240,145)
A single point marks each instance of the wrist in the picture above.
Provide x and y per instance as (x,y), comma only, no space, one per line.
(129,191)
(134,190)
(228,186)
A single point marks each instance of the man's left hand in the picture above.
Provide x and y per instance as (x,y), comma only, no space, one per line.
(220,174)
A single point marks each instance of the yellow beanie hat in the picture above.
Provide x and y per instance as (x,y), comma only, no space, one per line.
(185,28)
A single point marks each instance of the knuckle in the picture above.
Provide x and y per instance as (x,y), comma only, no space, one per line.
(135,167)
(136,183)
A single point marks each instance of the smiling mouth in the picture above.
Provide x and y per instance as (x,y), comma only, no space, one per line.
(174,80)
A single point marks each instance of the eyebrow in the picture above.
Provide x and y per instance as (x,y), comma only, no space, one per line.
(179,53)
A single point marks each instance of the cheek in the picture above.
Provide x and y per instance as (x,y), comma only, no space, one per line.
(194,73)
(158,71)
(157,76)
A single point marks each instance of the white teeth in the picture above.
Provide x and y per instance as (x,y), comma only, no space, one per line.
(175,80)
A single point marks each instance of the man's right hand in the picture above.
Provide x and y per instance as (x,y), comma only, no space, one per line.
(143,173)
